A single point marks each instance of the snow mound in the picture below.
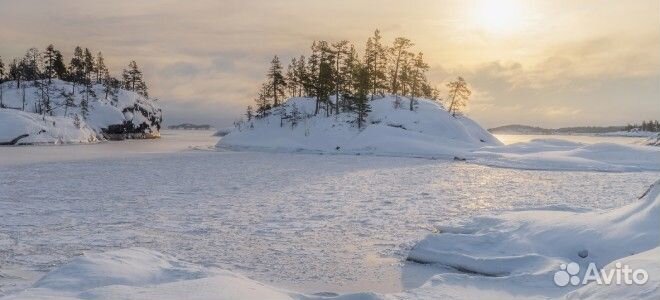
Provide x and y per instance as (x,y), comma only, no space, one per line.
(553,154)
(429,131)
(138,273)
(17,127)
(517,254)
(126,115)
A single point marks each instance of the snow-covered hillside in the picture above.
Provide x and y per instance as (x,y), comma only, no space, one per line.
(428,131)
(125,115)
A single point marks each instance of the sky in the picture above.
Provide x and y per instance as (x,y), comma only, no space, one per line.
(542,63)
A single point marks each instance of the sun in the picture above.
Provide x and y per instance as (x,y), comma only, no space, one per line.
(502,16)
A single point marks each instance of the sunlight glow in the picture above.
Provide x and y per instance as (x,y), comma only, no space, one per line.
(504,16)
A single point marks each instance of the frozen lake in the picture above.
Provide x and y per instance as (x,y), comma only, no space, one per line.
(585,139)
(306,222)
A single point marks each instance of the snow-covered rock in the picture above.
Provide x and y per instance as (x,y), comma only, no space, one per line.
(429,131)
(128,115)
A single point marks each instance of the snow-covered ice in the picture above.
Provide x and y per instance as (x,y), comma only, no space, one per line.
(512,256)
(298,223)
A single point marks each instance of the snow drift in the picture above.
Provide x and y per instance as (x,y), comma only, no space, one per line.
(555,154)
(128,115)
(429,131)
(517,254)
(138,273)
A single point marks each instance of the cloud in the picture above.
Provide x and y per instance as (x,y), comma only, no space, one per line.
(205,59)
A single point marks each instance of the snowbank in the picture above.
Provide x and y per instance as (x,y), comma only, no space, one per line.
(517,254)
(20,128)
(554,154)
(429,131)
(127,115)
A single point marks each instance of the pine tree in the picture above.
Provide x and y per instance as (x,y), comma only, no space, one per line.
(50,56)
(58,66)
(2,78)
(361,103)
(89,65)
(418,78)
(15,72)
(101,69)
(290,77)
(133,80)
(340,50)
(459,93)
(77,67)
(312,73)
(300,73)
(398,52)
(111,87)
(30,65)
(276,80)
(263,101)
(2,70)
(376,63)
(324,82)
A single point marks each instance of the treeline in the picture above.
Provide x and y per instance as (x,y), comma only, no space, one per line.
(84,70)
(335,71)
(651,126)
